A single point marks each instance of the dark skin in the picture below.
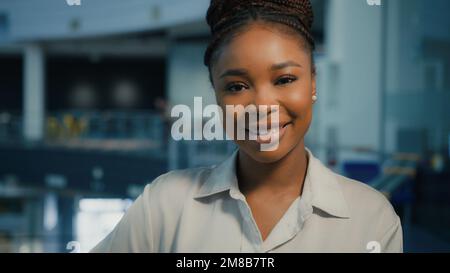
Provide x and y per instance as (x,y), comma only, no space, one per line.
(277,70)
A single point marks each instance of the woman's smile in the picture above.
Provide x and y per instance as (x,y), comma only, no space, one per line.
(273,133)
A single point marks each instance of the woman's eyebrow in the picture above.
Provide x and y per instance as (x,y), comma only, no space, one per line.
(243,72)
(284,65)
(234,72)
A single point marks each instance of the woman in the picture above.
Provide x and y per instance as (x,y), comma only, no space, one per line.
(282,200)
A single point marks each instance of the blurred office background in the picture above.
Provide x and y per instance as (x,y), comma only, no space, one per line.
(85,93)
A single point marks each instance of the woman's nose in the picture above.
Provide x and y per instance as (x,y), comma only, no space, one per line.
(264,96)
(266,102)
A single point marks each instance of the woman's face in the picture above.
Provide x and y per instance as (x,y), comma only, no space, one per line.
(263,66)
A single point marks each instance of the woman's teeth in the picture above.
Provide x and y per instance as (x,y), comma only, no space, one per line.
(264,135)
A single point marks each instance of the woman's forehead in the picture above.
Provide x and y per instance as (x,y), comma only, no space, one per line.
(261,47)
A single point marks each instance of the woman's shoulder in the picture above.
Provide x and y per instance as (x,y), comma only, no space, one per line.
(360,190)
(179,182)
(366,202)
(361,199)
(172,190)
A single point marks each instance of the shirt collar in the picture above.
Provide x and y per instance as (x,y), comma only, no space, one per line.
(321,185)
(222,178)
(326,192)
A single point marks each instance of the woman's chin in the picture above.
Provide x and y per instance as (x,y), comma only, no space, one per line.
(270,151)
(259,154)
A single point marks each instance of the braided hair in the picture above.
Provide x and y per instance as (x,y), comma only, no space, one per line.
(226,17)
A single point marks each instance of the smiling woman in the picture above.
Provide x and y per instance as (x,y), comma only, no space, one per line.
(281,200)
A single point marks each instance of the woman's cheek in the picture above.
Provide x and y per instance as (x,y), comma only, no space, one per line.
(298,98)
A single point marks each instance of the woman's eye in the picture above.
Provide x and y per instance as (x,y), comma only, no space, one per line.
(285,80)
(235,87)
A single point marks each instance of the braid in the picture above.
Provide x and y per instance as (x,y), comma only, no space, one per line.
(226,16)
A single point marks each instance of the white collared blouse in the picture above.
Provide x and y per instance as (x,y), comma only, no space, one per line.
(203,210)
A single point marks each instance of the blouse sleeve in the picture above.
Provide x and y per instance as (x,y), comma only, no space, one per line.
(391,234)
(133,233)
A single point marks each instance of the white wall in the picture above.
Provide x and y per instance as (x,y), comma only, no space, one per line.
(410,23)
(350,77)
(411,102)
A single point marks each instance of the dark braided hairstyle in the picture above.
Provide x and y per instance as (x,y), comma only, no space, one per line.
(226,17)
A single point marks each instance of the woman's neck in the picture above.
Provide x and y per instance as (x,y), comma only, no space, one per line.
(285,175)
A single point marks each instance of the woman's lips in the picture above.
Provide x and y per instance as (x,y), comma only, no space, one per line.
(268,136)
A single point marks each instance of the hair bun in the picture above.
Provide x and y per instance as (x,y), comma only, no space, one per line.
(223,10)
